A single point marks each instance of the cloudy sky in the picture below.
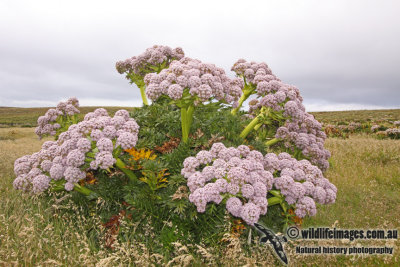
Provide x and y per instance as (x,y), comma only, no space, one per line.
(340,54)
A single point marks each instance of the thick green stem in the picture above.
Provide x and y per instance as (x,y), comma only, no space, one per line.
(121,165)
(258,126)
(275,193)
(284,207)
(83,190)
(249,127)
(144,98)
(274,201)
(185,133)
(190,111)
(241,100)
(272,142)
(186,121)
(247,91)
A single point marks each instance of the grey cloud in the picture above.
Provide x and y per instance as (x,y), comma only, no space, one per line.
(337,52)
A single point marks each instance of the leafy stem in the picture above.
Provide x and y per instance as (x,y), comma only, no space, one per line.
(250,127)
(274,201)
(59,185)
(142,93)
(263,118)
(248,90)
(121,165)
(186,121)
(84,191)
(272,142)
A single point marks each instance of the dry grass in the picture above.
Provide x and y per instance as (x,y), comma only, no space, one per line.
(367,173)
(35,233)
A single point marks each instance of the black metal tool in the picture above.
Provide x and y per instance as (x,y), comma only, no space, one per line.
(274,240)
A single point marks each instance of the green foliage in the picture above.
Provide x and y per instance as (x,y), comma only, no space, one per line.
(65,121)
(154,203)
(158,206)
(154,175)
(157,122)
(273,219)
(109,186)
(177,156)
(169,205)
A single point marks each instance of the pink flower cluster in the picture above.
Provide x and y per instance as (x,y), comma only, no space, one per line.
(253,72)
(375,127)
(393,133)
(203,80)
(88,144)
(47,124)
(269,88)
(153,56)
(300,182)
(307,135)
(272,93)
(301,130)
(244,177)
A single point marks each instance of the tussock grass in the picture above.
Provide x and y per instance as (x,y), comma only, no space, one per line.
(38,232)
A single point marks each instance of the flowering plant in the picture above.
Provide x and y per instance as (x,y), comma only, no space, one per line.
(278,108)
(153,60)
(242,178)
(95,143)
(218,164)
(189,82)
(57,120)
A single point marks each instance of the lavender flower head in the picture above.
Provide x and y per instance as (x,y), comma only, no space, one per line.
(72,154)
(212,174)
(48,125)
(199,80)
(153,56)
(245,176)
(301,130)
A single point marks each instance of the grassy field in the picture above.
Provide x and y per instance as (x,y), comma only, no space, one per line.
(36,232)
(365,170)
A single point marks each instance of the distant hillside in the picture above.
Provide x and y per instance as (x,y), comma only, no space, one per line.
(335,117)
(27,117)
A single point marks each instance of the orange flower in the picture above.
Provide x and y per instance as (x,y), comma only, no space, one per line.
(237,228)
(142,153)
(90,179)
(297,220)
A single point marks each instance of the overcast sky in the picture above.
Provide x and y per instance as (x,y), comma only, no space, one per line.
(340,54)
